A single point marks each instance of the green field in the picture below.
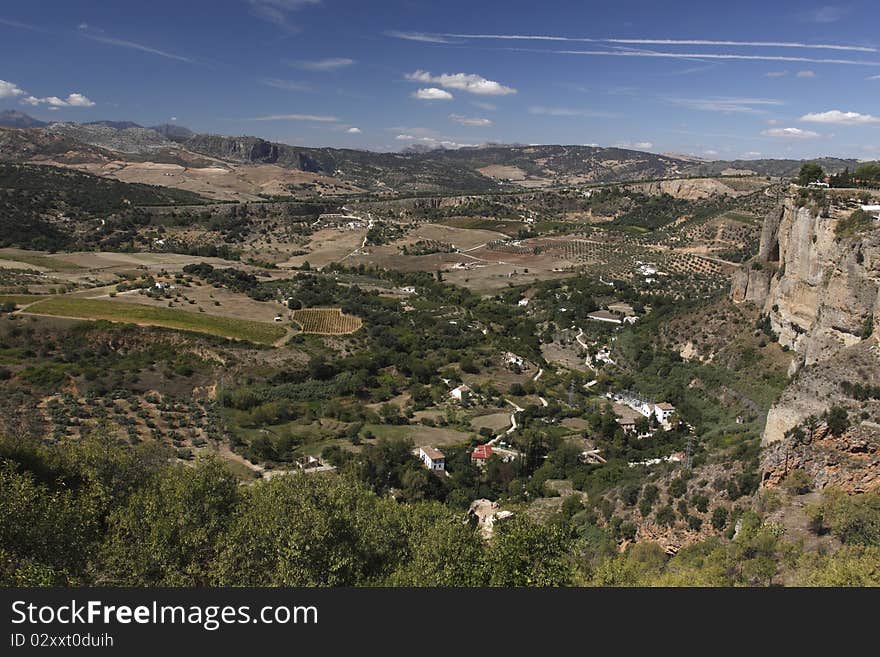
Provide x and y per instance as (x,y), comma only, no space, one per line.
(115,311)
(39,260)
(21,299)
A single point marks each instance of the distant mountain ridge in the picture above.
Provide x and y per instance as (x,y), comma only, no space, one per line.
(16,119)
(484,168)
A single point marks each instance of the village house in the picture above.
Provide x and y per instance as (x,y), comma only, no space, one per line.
(627,424)
(512,360)
(621,308)
(481,454)
(433,459)
(663,412)
(461,394)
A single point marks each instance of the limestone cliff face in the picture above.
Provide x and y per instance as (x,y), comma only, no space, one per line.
(826,287)
(821,293)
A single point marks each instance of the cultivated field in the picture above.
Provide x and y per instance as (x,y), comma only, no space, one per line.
(20,259)
(226,327)
(326,321)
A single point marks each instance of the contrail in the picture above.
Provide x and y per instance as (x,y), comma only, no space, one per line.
(666,42)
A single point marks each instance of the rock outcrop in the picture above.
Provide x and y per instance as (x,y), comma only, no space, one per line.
(123,140)
(850,462)
(821,294)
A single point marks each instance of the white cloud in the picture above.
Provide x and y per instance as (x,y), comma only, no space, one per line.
(276,11)
(753,154)
(790,133)
(639,145)
(840,118)
(568,111)
(470,82)
(432,142)
(489,107)
(873,77)
(776,74)
(806,74)
(323,65)
(710,152)
(10,89)
(724,104)
(131,45)
(296,117)
(286,85)
(827,14)
(54,102)
(417,36)
(432,93)
(354,131)
(470,121)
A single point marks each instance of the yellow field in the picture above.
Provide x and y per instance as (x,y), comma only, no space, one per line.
(326,321)
(114,311)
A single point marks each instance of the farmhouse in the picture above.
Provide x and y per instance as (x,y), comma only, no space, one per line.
(627,424)
(433,459)
(663,411)
(512,360)
(461,394)
(522,303)
(621,308)
(481,453)
(605,316)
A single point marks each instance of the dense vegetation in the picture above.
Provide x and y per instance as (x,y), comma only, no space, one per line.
(96,514)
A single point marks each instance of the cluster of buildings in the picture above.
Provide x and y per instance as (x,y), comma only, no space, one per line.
(435,460)
(662,412)
(615,313)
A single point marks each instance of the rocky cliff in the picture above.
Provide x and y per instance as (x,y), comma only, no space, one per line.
(819,287)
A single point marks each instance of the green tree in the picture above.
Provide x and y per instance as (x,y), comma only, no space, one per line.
(340,534)
(810,172)
(526,554)
(166,534)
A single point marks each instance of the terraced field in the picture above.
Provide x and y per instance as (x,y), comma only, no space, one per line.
(226,327)
(326,321)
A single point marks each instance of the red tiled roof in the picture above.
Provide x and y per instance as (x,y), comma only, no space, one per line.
(482,452)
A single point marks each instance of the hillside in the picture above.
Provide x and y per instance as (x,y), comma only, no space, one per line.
(42,206)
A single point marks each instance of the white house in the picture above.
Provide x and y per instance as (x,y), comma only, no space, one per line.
(511,359)
(433,459)
(461,394)
(408,289)
(522,303)
(873,210)
(663,411)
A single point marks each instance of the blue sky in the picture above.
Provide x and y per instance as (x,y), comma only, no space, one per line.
(743,79)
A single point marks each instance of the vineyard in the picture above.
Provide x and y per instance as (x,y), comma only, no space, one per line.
(326,321)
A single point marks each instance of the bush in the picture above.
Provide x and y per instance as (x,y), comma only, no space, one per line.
(719,518)
(797,482)
(837,419)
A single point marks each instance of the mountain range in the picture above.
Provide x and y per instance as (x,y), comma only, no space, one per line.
(489,167)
